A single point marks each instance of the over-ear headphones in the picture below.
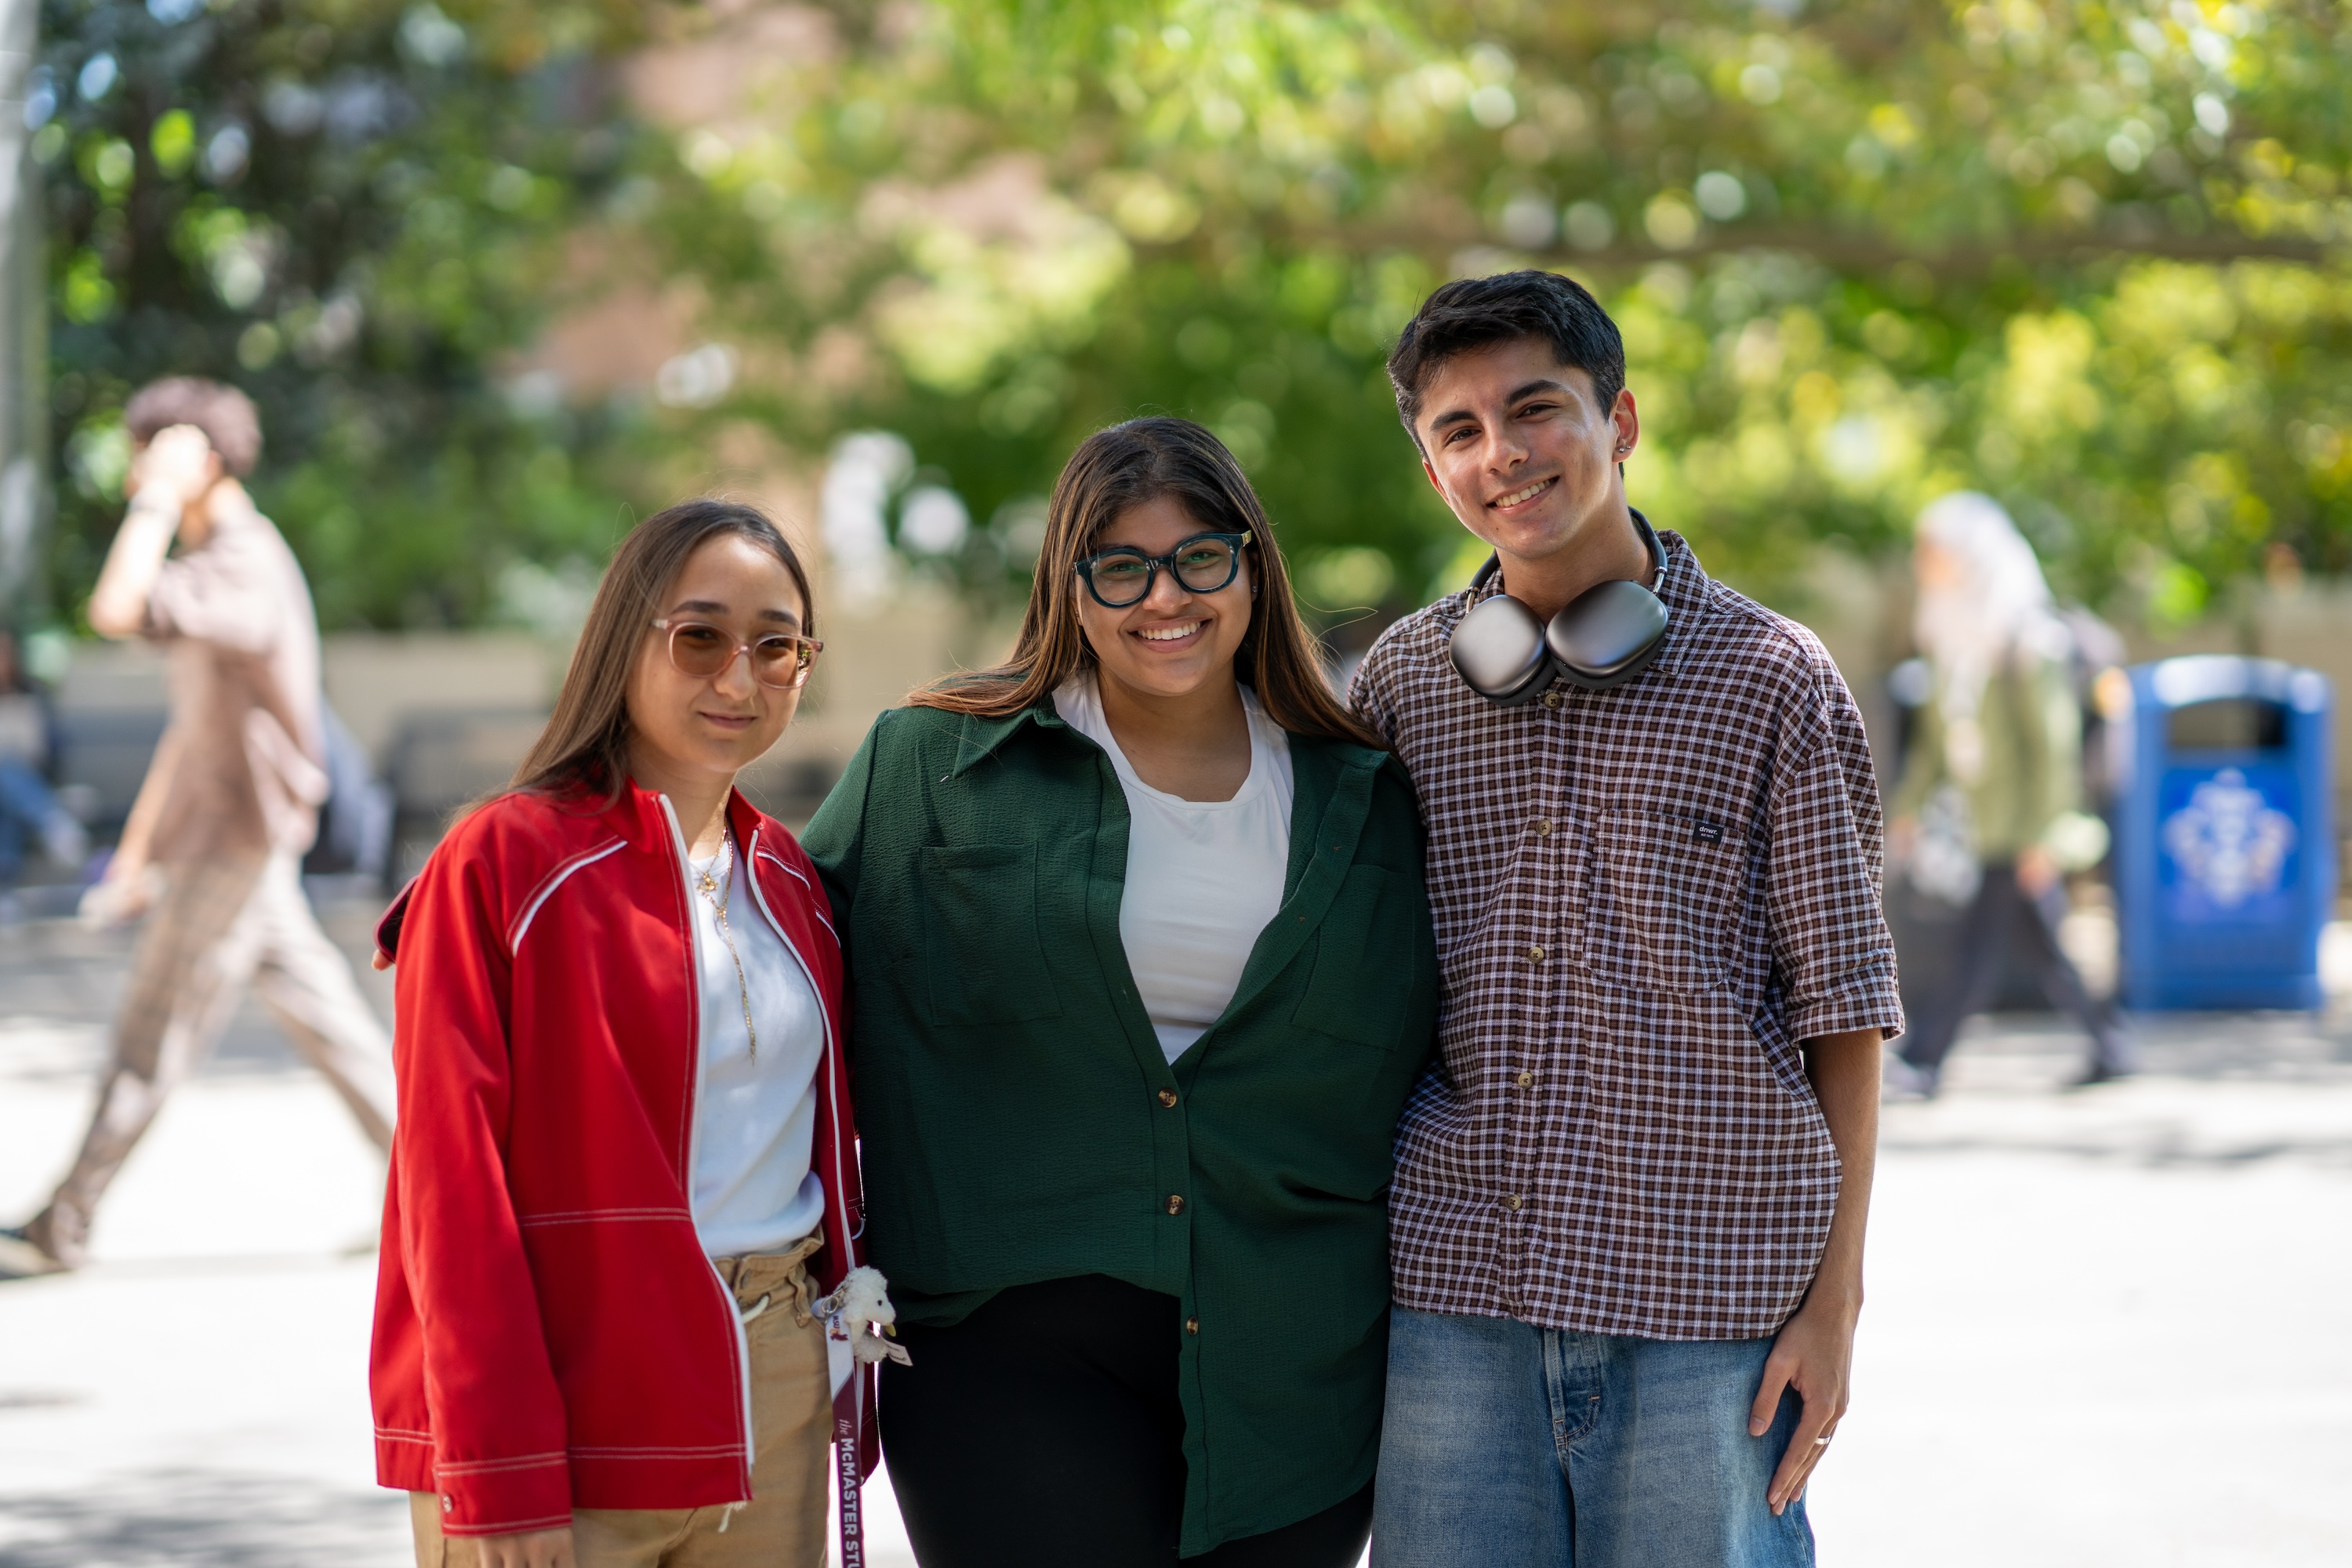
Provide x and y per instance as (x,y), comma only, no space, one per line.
(1606,635)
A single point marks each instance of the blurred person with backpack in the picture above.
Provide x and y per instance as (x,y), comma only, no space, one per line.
(1989,812)
(230,803)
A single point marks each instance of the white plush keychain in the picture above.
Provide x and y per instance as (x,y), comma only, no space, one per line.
(859,1312)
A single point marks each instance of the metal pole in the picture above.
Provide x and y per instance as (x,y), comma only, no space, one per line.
(23,323)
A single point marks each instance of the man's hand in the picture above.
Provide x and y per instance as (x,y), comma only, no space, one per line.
(2037,870)
(532,1549)
(121,896)
(1814,1354)
(178,466)
(170,476)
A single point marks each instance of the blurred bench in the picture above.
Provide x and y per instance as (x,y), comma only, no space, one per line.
(438,760)
(103,755)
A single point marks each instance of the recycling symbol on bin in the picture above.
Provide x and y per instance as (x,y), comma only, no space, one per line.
(2228,842)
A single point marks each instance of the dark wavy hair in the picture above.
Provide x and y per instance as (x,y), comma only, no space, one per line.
(586,747)
(1113,470)
(1472,313)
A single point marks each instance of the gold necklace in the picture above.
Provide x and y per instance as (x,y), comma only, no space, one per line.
(718,893)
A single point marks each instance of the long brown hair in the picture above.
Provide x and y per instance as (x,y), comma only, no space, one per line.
(1127,466)
(585,746)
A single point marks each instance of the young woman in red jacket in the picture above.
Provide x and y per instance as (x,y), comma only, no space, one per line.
(619,1315)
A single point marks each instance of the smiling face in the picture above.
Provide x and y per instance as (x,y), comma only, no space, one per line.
(1174,641)
(713,727)
(1521,451)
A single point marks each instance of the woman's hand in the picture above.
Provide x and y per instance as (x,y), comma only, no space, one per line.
(532,1549)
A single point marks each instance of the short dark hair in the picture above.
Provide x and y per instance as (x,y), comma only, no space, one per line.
(225,415)
(1473,313)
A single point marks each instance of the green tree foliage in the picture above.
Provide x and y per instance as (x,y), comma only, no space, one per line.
(2084,253)
(2079,254)
(353,209)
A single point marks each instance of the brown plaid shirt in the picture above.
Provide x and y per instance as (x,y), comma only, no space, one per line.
(1644,899)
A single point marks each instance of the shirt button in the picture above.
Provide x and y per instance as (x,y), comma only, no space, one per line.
(1192,1325)
(1526,1080)
(1536,951)
(1551,699)
(1167,1097)
(1543,827)
(1512,1203)
(1175,1202)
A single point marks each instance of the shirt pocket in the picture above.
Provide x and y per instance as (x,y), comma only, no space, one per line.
(983,960)
(1668,899)
(1367,961)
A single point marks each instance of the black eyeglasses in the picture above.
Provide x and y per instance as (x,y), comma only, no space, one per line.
(1122,575)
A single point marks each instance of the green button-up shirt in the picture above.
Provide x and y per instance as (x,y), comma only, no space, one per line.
(1022,1124)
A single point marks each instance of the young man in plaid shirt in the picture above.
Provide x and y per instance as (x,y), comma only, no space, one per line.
(1627,1222)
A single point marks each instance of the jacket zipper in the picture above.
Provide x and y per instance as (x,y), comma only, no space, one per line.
(693,1124)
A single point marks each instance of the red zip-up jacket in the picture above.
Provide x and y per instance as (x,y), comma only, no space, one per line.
(548,1333)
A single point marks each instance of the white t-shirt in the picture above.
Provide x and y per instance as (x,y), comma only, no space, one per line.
(755,1119)
(1203,878)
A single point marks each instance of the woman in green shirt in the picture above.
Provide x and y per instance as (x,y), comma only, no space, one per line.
(1142,974)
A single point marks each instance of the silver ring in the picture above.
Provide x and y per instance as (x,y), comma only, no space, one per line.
(1820,1442)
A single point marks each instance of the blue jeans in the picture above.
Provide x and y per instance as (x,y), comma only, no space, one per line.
(1513,1446)
(25,807)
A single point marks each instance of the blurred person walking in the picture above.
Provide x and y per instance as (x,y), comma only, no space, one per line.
(1143,972)
(215,839)
(618,1316)
(1988,815)
(28,807)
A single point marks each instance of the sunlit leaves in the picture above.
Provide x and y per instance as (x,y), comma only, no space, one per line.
(1859,255)
(2077,252)
(350,207)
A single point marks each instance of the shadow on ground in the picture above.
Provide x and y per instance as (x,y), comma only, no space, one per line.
(2218,1091)
(187,1518)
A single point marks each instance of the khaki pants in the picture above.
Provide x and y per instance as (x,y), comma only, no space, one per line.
(792,1422)
(220,927)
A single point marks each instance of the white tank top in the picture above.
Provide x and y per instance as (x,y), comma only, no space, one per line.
(1203,878)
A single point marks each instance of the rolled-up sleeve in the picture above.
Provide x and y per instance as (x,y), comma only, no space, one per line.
(1832,953)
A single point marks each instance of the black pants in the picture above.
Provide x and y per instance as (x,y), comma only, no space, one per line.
(2003,914)
(1045,1429)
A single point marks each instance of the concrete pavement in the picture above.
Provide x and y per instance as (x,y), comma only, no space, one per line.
(2104,1328)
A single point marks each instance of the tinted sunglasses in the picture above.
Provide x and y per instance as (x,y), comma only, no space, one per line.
(779,659)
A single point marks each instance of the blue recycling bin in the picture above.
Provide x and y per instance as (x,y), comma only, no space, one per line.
(2225,853)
